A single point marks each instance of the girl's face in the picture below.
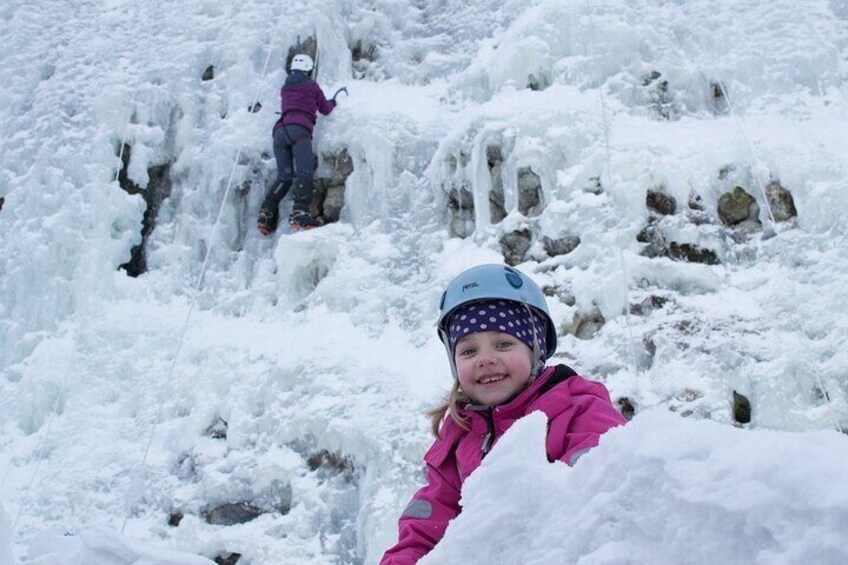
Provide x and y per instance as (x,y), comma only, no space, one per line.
(492,366)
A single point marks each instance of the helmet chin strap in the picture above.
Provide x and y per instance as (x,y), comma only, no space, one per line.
(446,341)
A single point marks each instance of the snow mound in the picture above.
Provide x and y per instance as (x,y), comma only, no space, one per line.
(660,490)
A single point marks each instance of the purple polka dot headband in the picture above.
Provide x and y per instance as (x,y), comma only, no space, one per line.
(496,315)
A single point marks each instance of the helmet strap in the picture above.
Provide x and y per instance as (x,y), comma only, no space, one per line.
(446,341)
(537,354)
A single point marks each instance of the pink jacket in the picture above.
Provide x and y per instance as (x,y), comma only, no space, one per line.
(578,412)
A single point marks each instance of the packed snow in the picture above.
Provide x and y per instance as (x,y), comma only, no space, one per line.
(289,376)
(660,490)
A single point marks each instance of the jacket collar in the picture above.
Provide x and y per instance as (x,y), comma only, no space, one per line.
(297,77)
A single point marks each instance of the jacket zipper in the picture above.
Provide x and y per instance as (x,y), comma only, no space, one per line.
(489,438)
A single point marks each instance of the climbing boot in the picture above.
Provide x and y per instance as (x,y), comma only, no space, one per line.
(302,221)
(267,221)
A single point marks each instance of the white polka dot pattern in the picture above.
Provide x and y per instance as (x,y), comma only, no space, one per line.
(497,315)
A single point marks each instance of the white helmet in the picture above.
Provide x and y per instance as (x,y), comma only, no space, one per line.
(302,62)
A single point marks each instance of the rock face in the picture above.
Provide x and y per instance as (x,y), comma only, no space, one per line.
(587,324)
(692,253)
(560,246)
(462,222)
(362,54)
(494,160)
(737,206)
(515,246)
(718,100)
(461,209)
(329,197)
(660,203)
(780,201)
(228,558)
(741,408)
(657,245)
(529,192)
(625,406)
(231,513)
(158,189)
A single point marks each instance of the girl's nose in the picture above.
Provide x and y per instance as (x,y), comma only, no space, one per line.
(486,358)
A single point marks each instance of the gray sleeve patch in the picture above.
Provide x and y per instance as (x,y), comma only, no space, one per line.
(577,455)
(418,508)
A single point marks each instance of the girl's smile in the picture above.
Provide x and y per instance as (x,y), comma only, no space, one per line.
(492,366)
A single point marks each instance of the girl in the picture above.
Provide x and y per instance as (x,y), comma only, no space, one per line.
(300,100)
(497,331)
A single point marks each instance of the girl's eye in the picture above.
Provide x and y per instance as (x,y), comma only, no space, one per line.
(466,351)
(504,344)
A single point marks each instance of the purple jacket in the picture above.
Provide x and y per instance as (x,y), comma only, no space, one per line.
(578,412)
(300,100)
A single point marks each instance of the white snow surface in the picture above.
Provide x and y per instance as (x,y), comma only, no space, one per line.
(658,491)
(316,352)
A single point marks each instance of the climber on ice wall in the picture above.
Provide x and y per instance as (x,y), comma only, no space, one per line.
(300,100)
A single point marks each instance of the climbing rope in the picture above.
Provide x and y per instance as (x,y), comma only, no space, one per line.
(39,451)
(760,166)
(610,183)
(759,175)
(624,277)
(198,285)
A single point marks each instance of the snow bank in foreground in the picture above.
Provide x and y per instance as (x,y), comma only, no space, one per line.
(660,490)
(102,547)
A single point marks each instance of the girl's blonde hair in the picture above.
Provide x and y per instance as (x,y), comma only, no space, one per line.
(449,406)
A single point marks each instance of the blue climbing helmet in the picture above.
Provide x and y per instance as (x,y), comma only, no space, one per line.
(486,282)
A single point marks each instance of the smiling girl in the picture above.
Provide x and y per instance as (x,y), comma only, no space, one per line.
(498,333)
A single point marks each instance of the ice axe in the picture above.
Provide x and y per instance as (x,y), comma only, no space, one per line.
(342,89)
